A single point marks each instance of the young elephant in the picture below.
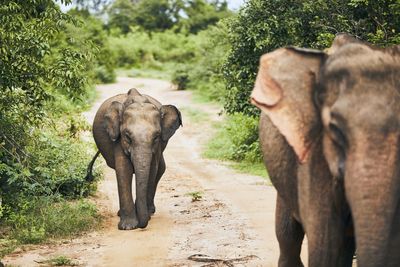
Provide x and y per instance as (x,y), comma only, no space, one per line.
(131,131)
(330,136)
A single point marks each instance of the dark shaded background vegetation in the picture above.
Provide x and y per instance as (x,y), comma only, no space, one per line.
(50,61)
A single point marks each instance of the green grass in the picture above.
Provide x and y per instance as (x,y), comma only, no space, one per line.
(44,218)
(7,246)
(253,168)
(60,261)
(220,148)
(196,196)
(145,73)
(227,145)
(194,115)
(202,97)
(207,91)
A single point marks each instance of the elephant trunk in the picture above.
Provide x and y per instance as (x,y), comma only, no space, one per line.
(142,162)
(372,183)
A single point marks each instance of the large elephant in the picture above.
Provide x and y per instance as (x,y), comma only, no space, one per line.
(131,131)
(330,136)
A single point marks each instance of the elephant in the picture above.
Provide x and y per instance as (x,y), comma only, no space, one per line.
(131,132)
(330,138)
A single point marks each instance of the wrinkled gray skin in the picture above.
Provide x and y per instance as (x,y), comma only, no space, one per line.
(131,131)
(330,136)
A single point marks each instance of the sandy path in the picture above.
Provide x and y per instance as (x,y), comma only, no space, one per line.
(235,217)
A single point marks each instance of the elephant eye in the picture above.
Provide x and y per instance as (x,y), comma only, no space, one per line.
(156,138)
(337,135)
(128,138)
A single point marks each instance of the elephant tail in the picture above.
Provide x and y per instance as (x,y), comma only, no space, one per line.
(89,174)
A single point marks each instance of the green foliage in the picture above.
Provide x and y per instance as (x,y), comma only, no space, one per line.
(149,15)
(195,115)
(46,73)
(121,14)
(140,49)
(41,218)
(180,77)
(196,196)
(262,26)
(204,71)
(253,168)
(156,15)
(61,261)
(236,139)
(202,14)
(91,32)
(26,31)
(189,16)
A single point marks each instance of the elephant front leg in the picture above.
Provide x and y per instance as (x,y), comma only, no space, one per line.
(153,185)
(290,234)
(124,172)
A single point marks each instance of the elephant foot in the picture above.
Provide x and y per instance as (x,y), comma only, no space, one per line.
(127,222)
(152,209)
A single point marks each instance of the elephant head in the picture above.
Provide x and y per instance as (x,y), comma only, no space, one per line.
(349,97)
(143,127)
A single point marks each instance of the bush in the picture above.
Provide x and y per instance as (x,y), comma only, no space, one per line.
(140,49)
(103,74)
(50,164)
(202,70)
(39,174)
(237,140)
(46,77)
(41,218)
(131,50)
(180,78)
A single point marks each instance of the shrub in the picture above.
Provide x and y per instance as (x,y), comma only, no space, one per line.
(200,67)
(103,74)
(180,77)
(46,75)
(237,140)
(41,218)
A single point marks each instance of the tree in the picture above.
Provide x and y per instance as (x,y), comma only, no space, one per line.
(32,71)
(122,15)
(262,26)
(157,15)
(93,5)
(200,14)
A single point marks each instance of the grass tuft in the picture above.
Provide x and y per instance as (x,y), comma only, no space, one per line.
(60,261)
(196,196)
(45,218)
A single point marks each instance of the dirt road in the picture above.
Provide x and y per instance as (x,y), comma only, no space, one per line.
(234,218)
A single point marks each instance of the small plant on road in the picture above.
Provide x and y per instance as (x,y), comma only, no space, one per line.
(61,261)
(196,196)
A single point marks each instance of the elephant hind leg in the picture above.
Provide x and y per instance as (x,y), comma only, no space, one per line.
(290,234)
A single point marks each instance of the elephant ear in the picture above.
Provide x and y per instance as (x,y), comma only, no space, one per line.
(113,118)
(171,119)
(284,90)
